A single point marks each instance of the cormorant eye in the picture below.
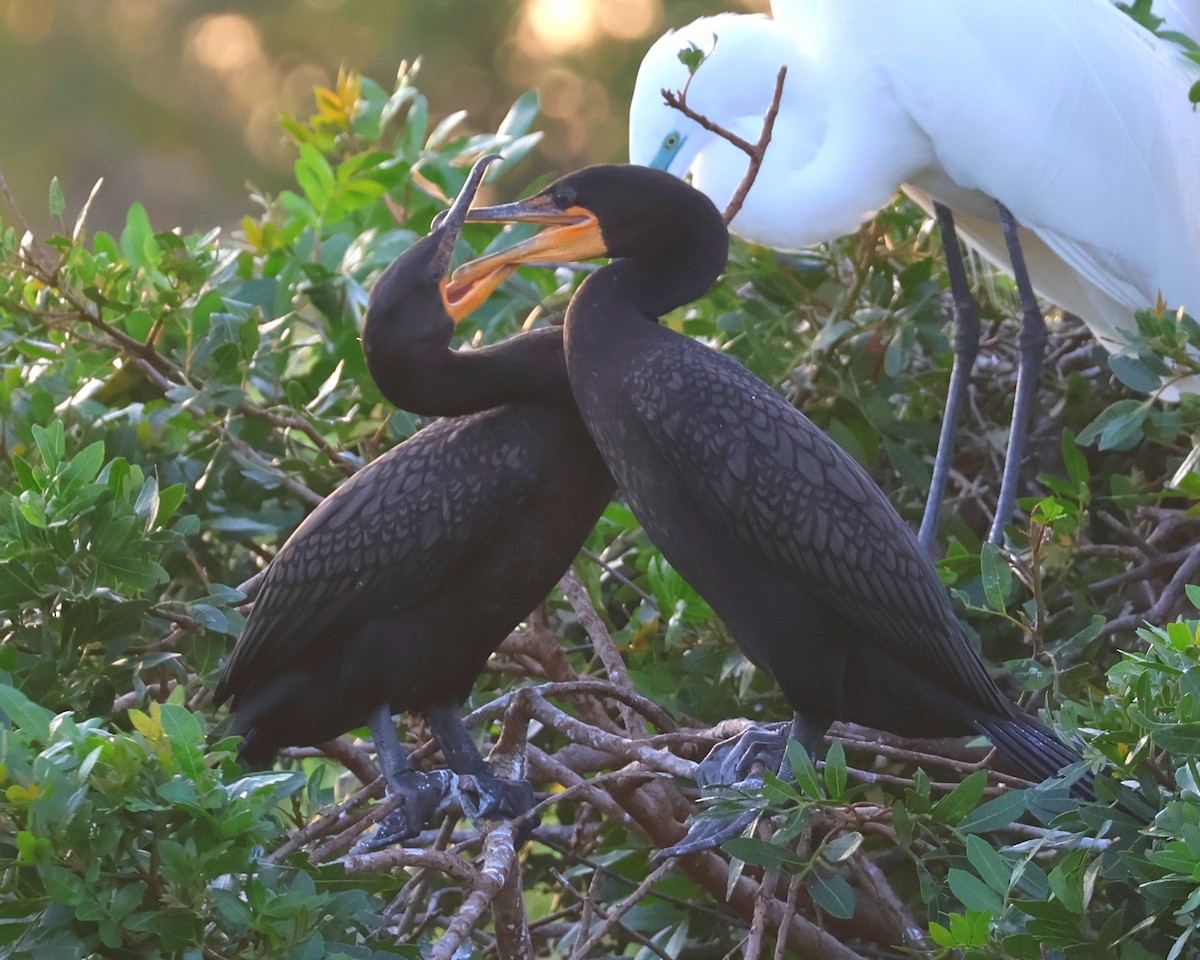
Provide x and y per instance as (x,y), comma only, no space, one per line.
(564,198)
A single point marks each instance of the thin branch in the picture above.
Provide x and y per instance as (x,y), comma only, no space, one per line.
(626,931)
(605,647)
(755,151)
(620,909)
(499,858)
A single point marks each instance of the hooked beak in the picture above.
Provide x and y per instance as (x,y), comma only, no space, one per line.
(462,299)
(571,234)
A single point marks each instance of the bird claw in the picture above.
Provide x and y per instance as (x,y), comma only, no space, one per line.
(732,761)
(707,834)
(736,764)
(423,793)
(484,797)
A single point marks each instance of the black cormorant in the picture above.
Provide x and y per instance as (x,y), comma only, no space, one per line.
(392,594)
(783,533)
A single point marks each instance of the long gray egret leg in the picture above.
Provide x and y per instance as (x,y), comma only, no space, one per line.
(422,792)
(1033,348)
(741,762)
(483,795)
(966,349)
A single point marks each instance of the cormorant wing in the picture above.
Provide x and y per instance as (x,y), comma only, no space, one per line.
(801,504)
(385,539)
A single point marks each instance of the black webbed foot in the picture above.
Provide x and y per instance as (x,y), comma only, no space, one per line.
(733,761)
(485,797)
(739,763)
(423,793)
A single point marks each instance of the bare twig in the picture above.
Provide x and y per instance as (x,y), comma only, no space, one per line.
(499,859)
(755,151)
(605,647)
(619,910)
(603,914)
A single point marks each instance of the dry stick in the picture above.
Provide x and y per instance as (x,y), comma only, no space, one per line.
(585,918)
(755,151)
(632,934)
(1169,597)
(785,920)
(440,860)
(605,647)
(647,707)
(631,750)
(589,790)
(763,897)
(499,858)
(871,878)
(509,759)
(622,908)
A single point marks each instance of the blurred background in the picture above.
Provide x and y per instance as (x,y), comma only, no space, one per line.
(175,103)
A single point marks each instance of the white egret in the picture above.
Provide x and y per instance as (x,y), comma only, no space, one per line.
(1181,16)
(1068,113)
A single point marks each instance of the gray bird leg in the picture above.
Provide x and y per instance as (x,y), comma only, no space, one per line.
(966,349)
(742,762)
(393,760)
(422,792)
(1033,346)
(483,795)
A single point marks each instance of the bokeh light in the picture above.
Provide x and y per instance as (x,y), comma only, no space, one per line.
(176,104)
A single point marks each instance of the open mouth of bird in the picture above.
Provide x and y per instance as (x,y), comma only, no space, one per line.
(573,234)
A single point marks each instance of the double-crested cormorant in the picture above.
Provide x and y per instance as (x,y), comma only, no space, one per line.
(1096,153)
(392,594)
(790,541)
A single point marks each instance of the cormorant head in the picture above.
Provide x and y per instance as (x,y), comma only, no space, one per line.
(415,296)
(605,211)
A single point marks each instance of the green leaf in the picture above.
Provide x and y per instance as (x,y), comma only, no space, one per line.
(51,443)
(1193,594)
(1132,372)
(993,868)
(184,732)
(85,465)
(842,847)
(24,714)
(520,116)
(972,892)
(761,854)
(835,770)
(58,202)
(803,770)
(692,56)
(996,575)
(996,813)
(315,176)
(962,799)
(832,894)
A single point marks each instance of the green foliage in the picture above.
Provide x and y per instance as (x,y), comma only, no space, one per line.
(171,406)
(145,843)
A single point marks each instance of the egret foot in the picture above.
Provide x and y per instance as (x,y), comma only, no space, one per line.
(486,797)
(423,793)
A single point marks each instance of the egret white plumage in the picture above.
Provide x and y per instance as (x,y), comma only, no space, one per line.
(1069,114)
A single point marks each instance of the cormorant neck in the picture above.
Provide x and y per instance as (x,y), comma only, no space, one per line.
(671,260)
(430,379)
